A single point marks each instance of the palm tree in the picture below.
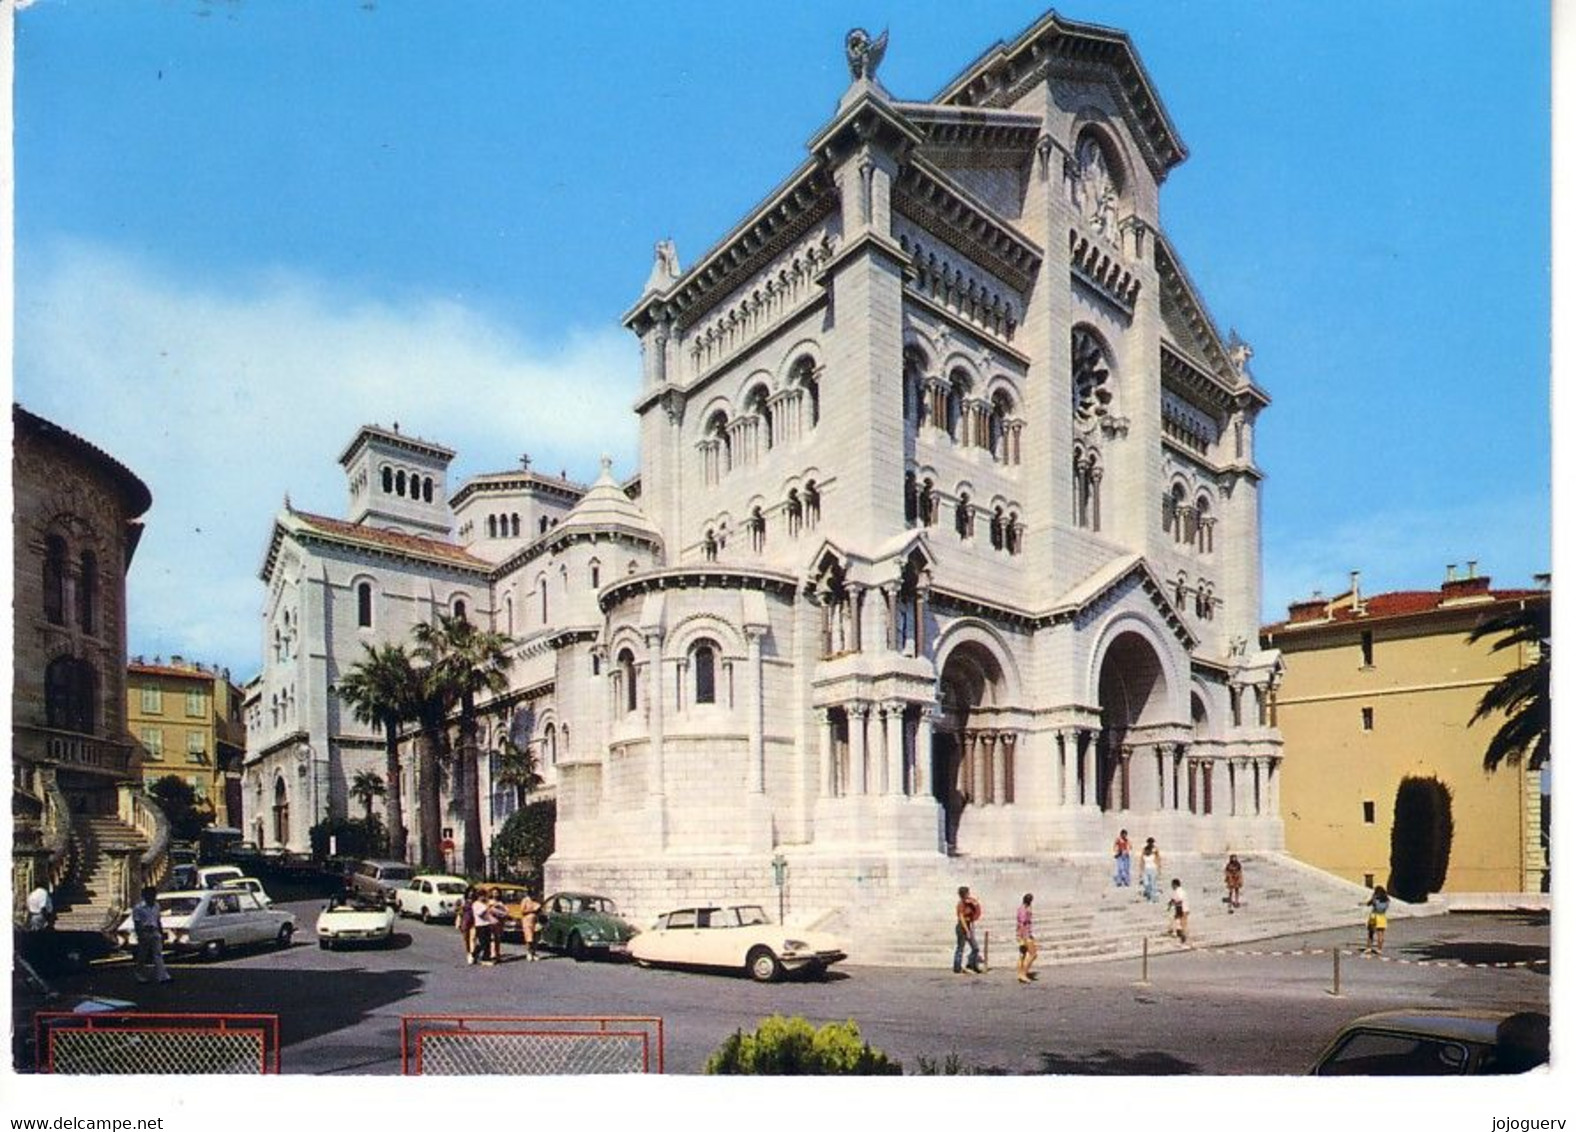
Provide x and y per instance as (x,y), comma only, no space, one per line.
(1522,694)
(367,785)
(465,662)
(432,703)
(517,769)
(381,690)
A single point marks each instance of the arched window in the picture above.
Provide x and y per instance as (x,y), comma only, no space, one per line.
(508,614)
(804,376)
(388,480)
(1014,534)
(281,812)
(626,673)
(459,609)
(1094,392)
(759,402)
(492,526)
(795,512)
(71,695)
(757,526)
(957,406)
(1205,524)
(910,498)
(812,503)
(1178,509)
(541,525)
(399,482)
(87,592)
(514,526)
(1001,409)
(364,605)
(914,366)
(550,741)
(929,505)
(596,574)
(426,490)
(717,429)
(998,529)
(703,658)
(963,517)
(541,593)
(55,580)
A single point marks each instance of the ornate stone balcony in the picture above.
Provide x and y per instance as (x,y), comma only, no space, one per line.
(73,749)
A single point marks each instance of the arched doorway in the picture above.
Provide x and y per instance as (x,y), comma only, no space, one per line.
(970,680)
(281,813)
(1133,691)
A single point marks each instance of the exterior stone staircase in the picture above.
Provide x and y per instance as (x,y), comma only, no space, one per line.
(1080,915)
(90,898)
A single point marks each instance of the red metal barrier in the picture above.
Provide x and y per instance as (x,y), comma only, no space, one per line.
(113,1042)
(530,1044)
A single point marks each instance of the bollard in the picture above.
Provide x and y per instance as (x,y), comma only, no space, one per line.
(1337,991)
(985,955)
(1143,979)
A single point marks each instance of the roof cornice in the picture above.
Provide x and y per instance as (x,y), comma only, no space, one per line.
(930,198)
(395,439)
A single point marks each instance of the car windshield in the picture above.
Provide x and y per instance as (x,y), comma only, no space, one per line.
(354,904)
(452,888)
(511,895)
(178,905)
(750,915)
(397,874)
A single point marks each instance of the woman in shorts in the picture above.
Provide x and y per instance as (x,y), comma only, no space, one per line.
(1379,907)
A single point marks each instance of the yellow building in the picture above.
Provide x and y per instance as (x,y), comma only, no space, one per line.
(1380,688)
(186,718)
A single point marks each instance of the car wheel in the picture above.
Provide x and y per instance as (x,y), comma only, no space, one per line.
(763,966)
(323,943)
(577,948)
(213,949)
(286,932)
(426,914)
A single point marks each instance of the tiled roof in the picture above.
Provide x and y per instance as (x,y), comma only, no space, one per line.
(166,670)
(1403,603)
(392,540)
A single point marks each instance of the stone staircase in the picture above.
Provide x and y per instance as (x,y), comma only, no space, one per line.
(1080,915)
(90,899)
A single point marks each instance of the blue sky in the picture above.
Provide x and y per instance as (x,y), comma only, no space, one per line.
(243,229)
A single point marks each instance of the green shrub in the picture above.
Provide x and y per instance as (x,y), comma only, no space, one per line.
(523,845)
(792,1047)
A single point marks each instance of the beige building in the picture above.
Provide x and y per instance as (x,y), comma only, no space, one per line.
(81,825)
(1380,688)
(186,719)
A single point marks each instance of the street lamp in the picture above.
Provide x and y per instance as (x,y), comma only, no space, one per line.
(780,876)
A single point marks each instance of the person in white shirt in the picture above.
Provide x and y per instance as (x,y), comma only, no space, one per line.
(40,910)
(149,929)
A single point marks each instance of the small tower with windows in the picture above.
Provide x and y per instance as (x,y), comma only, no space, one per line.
(398,482)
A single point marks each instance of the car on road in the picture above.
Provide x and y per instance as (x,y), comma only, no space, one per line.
(739,937)
(1427,1043)
(353,918)
(582,924)
(381,879)
(252,885)
(431,896)
(212,921)
(213,876)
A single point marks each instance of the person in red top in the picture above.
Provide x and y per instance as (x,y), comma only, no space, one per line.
(1123,851)
(1028,950)
(967,914)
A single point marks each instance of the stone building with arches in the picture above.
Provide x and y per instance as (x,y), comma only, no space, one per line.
(945,537)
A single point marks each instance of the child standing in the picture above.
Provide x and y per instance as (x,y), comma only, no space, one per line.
(1178,906)
(1233,883)
(1379,908)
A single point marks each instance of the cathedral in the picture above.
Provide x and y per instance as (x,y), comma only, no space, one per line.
(944,540)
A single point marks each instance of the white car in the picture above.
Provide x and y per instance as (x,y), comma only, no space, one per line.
(252,885)
(740,937)
(213,876)
(214,920)
(432,896)
(353,918)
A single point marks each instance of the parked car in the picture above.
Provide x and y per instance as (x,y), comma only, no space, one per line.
(513,898)
(213,876)
(740,937)
(212,921)
(1419,1043)
(381,879)
(432,896)
(181,878)
(582,924)
(353,918)
(252,885)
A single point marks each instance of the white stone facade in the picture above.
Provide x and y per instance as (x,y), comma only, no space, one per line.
(946,530)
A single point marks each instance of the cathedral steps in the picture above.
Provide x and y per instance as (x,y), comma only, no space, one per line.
(1079,914)
(89,900)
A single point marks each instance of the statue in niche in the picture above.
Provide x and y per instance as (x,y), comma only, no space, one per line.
(1097,195)
(864,53)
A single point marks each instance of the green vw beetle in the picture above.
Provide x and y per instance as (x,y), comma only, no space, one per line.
(582,924)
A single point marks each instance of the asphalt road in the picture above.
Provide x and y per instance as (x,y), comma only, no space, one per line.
(1202,1012)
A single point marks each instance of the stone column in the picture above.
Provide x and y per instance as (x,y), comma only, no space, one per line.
(921,613)
(1272,808)
(1160,778)
(656,783)
(886,609)
(994,767)
(1206,786)
(856,609)
(1125,778)
(755,697)
(892,718)
(922,749)
(1061,768)
(1009,768)
(1089,795)
(828,753)
(858,713)
(1179,762)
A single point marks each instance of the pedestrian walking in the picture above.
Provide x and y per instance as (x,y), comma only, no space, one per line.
(1124,861)
(1379,909)
(485,914)
(966,915)
(465,921)
(528,912)
(1028,949)
(40,910)
(1178,906)
(1233,884)
(1149,866)
(149,930)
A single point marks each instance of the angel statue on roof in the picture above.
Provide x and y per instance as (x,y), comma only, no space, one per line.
(864,53)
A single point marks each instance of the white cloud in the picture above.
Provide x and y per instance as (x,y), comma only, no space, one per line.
(225,397)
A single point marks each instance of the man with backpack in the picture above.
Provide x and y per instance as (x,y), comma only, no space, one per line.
(968,913)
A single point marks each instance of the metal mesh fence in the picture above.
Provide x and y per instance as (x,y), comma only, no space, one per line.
(527,1046)
(158,1043)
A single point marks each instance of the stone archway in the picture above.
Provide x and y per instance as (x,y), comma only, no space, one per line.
(1133,691)
(971,679)
(281,812)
